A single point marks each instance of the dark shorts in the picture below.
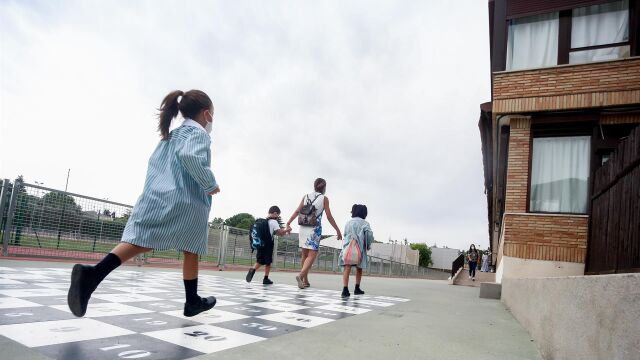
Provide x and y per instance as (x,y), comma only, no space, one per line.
(265,255)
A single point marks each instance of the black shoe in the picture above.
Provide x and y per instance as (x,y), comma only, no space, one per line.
(345,293)
(266,281)
(83,283)
(250,274)
(358,292)
(195,309)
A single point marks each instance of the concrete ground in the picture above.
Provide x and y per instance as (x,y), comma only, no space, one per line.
(440,322)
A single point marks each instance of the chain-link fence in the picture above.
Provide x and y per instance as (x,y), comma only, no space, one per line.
(44,222)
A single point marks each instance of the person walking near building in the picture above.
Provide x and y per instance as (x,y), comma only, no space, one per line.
(472,255)
(485,261)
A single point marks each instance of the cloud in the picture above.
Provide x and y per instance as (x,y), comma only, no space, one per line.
(380,98)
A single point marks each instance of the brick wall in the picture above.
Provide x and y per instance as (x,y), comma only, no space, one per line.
(567,87)
(518,165)
(546,237)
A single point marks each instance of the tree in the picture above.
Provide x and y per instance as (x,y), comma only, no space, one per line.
(241,221)
(425,254)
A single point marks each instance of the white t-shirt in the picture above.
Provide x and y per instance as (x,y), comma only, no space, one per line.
(273,226)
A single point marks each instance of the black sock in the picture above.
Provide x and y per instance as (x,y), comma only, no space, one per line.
(107,265)
(357,286)
(345,288)
(266,276)
(191,291)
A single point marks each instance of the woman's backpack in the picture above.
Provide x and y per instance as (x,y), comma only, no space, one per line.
(308,216)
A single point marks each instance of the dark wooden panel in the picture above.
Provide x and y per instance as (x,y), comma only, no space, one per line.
(614,227)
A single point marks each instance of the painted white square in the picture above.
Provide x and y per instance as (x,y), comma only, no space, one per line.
(4,281)
(8,303)
(4,268)
(205,338)
(32,292)
(122,298)
(212,316)
(278,306)
(321,299)
(61,331)
(53,285)
(106,309)
(267,297)
(344,309)
(374,303)
(390,298)
(139,290)
(306,321)
(24,276)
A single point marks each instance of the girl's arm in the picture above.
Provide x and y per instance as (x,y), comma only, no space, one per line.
(194,157)
(295,213)
(330,217)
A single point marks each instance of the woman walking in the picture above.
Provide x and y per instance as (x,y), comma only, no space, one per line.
(358,238)
(173,210)
(309,213)
(472,255)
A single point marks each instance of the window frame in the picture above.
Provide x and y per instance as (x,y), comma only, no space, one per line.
(564,36)
(499,28)
(568,125)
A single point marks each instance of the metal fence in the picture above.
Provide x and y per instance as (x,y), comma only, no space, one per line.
(42,222)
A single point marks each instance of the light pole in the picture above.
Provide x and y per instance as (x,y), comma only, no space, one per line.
(41,207)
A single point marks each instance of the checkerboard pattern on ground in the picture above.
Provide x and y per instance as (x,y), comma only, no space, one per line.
(136,314)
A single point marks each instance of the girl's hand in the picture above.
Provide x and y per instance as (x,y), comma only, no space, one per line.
(215,191)
(339,235)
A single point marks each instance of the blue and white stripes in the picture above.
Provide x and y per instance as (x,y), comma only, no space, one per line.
(173,210)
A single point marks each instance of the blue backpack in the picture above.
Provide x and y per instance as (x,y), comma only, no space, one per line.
(260,234)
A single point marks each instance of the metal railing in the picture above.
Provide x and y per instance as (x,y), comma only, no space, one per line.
(42,222)
(456,265)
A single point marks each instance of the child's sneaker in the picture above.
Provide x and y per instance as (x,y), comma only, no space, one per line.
(345,293)
(203,305)
(358,291)
(266,281)
(83,283)
(250,274)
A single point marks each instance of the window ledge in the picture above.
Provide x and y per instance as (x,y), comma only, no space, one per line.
(565,66)
(548,214)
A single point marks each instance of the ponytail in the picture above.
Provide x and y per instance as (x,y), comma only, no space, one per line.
(168,111)
(192,103)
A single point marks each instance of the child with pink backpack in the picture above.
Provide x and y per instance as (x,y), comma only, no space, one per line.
(357,241)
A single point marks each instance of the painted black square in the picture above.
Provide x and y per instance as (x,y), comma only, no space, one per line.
(121,347)
(329,314)
(248,310)
(147,322)
(32,314)
(259,327)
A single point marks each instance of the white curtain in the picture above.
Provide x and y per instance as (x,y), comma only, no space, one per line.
(560,174)
(533,42)
(600,24)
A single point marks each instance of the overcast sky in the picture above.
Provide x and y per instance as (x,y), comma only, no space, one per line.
(380,98)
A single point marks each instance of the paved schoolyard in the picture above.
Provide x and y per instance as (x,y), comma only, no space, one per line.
(439,321)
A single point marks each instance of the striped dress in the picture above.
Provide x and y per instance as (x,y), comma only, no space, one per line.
(173,210)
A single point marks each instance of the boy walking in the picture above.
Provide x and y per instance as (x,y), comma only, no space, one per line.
(265,254)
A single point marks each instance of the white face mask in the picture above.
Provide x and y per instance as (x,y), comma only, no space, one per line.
(209,126)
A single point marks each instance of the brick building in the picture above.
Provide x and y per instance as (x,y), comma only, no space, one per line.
(565,91)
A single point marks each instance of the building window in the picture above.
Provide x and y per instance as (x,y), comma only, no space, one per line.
(532,42)
(600,32)
(560,174)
